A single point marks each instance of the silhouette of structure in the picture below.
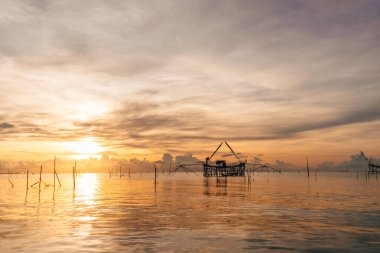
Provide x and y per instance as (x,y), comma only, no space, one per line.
(221,169)
(372,167)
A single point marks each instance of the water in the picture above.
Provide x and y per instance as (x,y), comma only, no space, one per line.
(335,213)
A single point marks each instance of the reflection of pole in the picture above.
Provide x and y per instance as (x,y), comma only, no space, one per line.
(120,171)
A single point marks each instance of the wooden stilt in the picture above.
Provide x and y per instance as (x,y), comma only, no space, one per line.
(54,173)
(39,183)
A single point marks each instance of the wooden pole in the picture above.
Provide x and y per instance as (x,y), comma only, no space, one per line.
(27,185)
(129,172)
(73,177)
(307,167)
(120,171)
(59,181)
(155,177)
(39,183)
(27,180)
(54,173)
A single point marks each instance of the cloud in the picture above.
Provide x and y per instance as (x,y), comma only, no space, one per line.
(355,116)
(181,75)
(6,125)
(356,162)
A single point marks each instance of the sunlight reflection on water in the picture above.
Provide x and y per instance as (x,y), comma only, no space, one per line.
(287,212)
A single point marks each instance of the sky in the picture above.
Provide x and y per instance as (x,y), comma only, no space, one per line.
(136,79)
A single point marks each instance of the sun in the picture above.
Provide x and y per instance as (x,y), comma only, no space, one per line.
(84,149)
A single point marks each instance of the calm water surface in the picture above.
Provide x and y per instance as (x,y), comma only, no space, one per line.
(335,213)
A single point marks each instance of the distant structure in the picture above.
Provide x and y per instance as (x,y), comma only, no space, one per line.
(372,167)
(220,168)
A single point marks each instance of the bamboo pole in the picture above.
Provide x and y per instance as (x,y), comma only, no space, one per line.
(59,181)
(27,185)
(27,180)
(54,173)
(74,177)
(155,177)
(39,183)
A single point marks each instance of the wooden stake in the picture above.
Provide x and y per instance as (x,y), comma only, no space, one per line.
(155,177)
(54,173)
(27,180)
(73,177)
(27,185)
(59,181)
(39,183)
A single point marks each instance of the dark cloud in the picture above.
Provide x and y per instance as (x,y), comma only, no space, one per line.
(6,125)
(355,116)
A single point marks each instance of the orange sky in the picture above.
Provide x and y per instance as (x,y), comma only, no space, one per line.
(286,79)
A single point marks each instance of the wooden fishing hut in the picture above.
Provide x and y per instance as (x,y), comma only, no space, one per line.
(372,167)
(220,168)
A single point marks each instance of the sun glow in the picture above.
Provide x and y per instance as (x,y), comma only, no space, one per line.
(86,187)
(86,148)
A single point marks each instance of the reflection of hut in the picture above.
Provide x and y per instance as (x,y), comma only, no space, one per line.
(220,168)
